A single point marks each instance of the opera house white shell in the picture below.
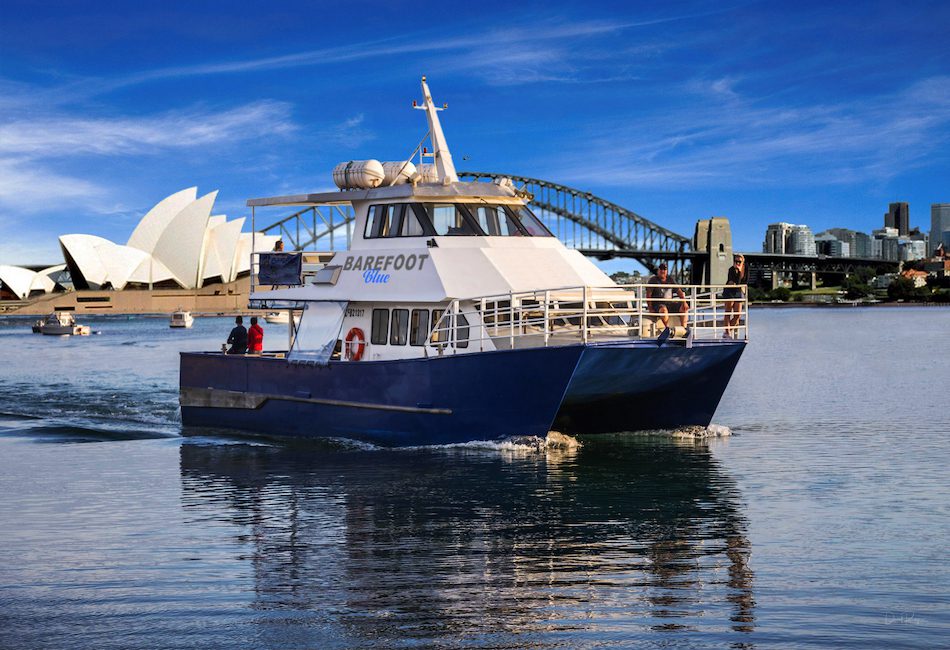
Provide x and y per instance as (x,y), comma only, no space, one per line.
(20,283)
(178,243)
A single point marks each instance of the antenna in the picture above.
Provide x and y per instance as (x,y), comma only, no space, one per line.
(440,148)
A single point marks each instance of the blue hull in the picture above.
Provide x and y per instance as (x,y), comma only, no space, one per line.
(440,400)
(596,388)
(639,386)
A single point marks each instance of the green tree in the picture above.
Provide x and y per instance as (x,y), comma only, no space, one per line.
(781,293)
(903,289)
(855,285)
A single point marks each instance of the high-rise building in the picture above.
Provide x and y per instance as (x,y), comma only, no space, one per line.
(802,241)
(827,244)
(898,216)
(788,239)
(886,244)
(859,243)
(911,250)
(777,238)
(939,223)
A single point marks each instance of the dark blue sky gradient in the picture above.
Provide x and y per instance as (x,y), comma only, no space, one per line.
(819,113)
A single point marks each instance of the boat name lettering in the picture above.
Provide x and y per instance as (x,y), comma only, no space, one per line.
(373,276)
(384,263)
(355,313)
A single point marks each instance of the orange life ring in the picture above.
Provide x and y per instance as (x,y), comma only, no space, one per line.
(354,352)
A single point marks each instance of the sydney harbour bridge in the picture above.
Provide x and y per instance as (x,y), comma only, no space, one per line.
(592,225)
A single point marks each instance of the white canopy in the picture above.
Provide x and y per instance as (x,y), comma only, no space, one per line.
(436,274)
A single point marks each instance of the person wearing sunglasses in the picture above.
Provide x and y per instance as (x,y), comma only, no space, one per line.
(733,294)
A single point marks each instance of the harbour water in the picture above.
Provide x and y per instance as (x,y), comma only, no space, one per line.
(822,521)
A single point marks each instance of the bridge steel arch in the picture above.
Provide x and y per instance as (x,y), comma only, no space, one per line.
(594,226)
(597,227)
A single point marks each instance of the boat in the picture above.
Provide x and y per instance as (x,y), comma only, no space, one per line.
(456,315)
(279,318)
(61,323)
(181,319)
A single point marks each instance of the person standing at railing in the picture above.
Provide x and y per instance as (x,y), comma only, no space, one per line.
(255,337)
(238,337)
(660,298)
(733,295)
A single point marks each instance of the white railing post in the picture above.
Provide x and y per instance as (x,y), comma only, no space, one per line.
(692,317)
(745,301)
(584,321)
(453,331)
(547,301)
(715,304)
(511,318)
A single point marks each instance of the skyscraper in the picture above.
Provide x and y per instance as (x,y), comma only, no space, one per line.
(898,216)
(859,243)
(777,238)
(802,241)
(939,223)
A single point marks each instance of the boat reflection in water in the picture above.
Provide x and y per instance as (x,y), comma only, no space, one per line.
(618,539)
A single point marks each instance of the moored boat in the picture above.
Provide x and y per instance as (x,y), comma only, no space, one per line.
(181,319)
(61,323)
(279,317)
(456,315)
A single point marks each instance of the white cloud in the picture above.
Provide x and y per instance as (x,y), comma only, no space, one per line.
(62,135)
(727,139)
(26,187)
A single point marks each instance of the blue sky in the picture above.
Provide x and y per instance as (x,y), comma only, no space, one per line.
(818,113)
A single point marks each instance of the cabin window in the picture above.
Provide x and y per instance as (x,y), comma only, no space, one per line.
(461,331)
(442,336)
(396,220)
(399,332)
(531,224)
(380,327)
(384,221)
(494,221)
(410,225)
(419,327)
(448,219)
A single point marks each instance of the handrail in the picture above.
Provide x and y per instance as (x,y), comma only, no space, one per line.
(584,314)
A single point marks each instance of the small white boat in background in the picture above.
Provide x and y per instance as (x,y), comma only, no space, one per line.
(279,318)
(181,319)
(61,323)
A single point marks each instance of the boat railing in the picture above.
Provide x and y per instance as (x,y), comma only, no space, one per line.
(570,315)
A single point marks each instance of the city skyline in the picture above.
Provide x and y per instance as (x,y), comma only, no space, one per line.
(679,113)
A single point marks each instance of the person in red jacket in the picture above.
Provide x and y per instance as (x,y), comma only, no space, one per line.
(255,337)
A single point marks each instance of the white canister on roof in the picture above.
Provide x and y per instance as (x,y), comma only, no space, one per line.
(358,174)
(399,171)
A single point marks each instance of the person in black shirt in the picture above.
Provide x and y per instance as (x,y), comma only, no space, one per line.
(733,295)
(660,298)
(238,337)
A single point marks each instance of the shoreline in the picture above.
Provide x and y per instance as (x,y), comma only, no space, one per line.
(833,305)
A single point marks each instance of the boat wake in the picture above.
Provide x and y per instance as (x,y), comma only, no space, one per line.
(702,433)
(515,444)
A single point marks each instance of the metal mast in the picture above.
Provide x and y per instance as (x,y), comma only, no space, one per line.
(440,148)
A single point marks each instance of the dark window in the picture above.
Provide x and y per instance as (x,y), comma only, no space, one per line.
(380,327)
(495,221)
(531,224)
(419,327)
(448,219)
(384,221)
(411,226)
(399,332)
(372,219)
(461,331)
(442,336)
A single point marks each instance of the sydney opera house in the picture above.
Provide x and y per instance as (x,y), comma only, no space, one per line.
(178,245)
